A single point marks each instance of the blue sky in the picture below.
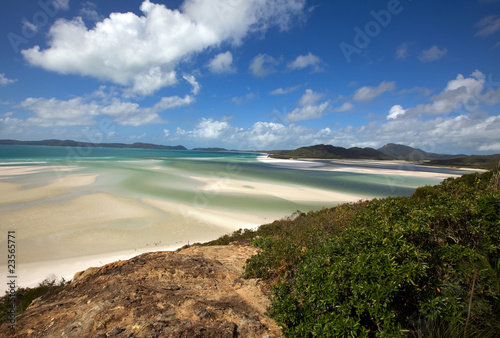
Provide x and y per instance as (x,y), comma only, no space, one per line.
(253,74)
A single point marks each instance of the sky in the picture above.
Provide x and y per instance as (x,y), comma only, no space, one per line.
(253,74)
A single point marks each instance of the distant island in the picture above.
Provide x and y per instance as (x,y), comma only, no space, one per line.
(390,151)
(402,152)
(212,149)
(322,151)
(472,161)
(70,143)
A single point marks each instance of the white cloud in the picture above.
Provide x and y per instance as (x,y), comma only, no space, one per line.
(368,93)
(395,111)
(459,94)
(52,112)
(310,98)
(124,48)
(307,113)
(263,65)
(308,109)
(304,61)
(242,99)
(207,129)
(61,4)
(421,90)
(88,11)
(345,107)
(402,51)
(80,112)
(490,147)
(149,82)
(432,54)
(5,81)
(281,91)
(222,64)
(166,132)
(462,133)
(488,25)
(192,81)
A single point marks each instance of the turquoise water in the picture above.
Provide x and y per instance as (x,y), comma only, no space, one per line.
(165,174)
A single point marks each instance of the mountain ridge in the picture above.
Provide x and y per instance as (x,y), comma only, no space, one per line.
(404,152)
(323,151)
(71,143)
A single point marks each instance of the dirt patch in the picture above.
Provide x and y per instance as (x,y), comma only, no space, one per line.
(196,292)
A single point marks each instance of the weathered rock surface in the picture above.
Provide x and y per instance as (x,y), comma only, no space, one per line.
(196,292)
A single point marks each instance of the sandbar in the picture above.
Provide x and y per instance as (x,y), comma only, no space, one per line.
(290,192)
(14,192)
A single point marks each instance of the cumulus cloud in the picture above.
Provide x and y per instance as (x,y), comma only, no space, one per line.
(463,132)
(305,61)
(464,94)
(310,98)
(80,112)
(126,48)
(207,129)
(307,112)
(222,64)
(488,25)
(308,108)
(5,81)
(262,65)
(395,111)
(432,54)
(368,93)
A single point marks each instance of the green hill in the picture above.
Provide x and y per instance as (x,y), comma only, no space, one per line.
(402,152)
(473,161)
(322,151)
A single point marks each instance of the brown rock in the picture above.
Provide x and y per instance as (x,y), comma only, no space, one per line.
(196,292)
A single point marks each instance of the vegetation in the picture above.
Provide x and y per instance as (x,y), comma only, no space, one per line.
(25,296)
(402,152)
(421,266)
(489,162)
(330,152)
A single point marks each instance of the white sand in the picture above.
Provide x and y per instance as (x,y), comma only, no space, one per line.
(295,193)
(14,192)
(12,170)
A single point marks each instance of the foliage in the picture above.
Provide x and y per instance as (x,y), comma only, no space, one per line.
(388,267)
(25,296)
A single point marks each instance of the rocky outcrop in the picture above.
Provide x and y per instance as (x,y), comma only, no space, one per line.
(196,292)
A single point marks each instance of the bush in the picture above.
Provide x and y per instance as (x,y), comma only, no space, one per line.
(401,266)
